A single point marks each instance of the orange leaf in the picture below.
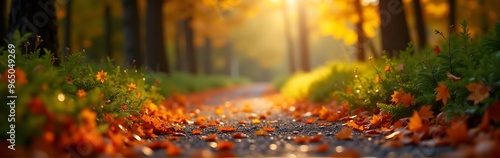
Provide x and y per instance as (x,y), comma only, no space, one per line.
(442,93)
(239,135)
(196,132)
(457,133)
(415,123)
(261,132)
(323,147)
(355,126)
(407,99)
(316,138)
(210,138)
(268,129)
(247,108)
(479,92)
(323,113)
(225,145)
(310,120)
(173,150)
(425,112)
(396,96)
(344,134)
(226,129)
(302,140)
(376,120)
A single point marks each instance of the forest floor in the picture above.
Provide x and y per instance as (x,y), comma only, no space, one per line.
(260,130)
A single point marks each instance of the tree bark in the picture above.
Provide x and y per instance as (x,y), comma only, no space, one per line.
(39,18)
(394,29)
(452,15)
(288,38)
(421,31)
(208,57)
(156,59)
(360,46)
(67,29)
(179,63)
(108,31)
(192,61)
(303,36)
(133,50)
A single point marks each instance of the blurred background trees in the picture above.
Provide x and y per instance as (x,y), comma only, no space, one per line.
(260,39)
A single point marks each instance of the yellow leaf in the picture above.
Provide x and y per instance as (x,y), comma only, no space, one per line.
(415,123)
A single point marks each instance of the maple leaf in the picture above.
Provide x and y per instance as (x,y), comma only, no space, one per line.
(415,123)
(310,120)
(397,96)
(457,133)
(437,50)
(479,92)
(407,99)
(323,147)
(268,129)
(376,120)
(344,134)
(225,145)
(323,113)
(425,112)
(355,126)
(209,138)
(442,93)
(196,132)
(226,129)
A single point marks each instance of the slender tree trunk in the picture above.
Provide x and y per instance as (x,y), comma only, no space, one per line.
(192,61)
(394,29)
(421,31)
(208,57)
(39,18)
(108,31)
(228,56)
(303,36)
(288,38)
(3,21)
(360,46)
(179,63)
(452,15)
(67,29)
(133,50)
(156,59)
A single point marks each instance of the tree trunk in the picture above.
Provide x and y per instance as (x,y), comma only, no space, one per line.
(67,29)
(452,15)
(303,36)
(421,31)
(39,18)
(179,63)
(133,50)
(208,57)
(108,31)
(288,38)
(360,46)
(192,62)
(3,22)
(156,59)
(394,30)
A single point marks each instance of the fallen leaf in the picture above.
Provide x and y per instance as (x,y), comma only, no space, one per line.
(322,148)
(247,108)
(355,126)
(425,112)
(255,121)
(479,92)
(268,129)
(376,120)
(226,129)
(225,145)
(310,120)
(415,124)
(261,132)
(239,135)
(316,138)
(442,93)
(344,134)
(457,133)
(173,150)
(302,140)
(407,99)
(196,131)
(210,138)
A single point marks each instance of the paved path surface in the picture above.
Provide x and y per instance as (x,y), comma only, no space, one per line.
(280,143)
